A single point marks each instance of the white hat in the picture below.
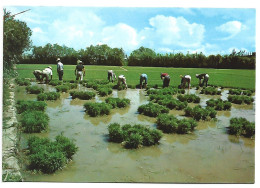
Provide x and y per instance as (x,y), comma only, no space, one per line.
(50,67)
(80,61)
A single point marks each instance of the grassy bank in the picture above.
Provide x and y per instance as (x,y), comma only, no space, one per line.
(222,77)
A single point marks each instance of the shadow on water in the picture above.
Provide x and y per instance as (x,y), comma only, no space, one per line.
(208,155)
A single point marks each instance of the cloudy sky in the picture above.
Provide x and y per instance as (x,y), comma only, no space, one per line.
(207,30)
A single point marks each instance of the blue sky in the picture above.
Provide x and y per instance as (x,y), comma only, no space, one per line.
(207,30)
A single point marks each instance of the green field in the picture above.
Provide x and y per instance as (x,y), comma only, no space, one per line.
(237,78)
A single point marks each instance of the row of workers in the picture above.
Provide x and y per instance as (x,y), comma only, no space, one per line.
(186,79)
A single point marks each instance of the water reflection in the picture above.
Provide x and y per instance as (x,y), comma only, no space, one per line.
(179,138)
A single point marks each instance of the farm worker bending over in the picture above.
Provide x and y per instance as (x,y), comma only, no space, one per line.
(38,75)
(185,79)
(163,75)
(143,77)
(205,78)
(80,71)
(46,73)
(111,74)
(166,81)
(122,79)
(59,68)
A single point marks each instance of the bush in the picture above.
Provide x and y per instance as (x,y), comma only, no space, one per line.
(165,91)
(96,109)
(199,113)
(48,96)
(240,126)
(62,88)
(219,104)
(34,89)
(23,106)
(133,136)
(189,98)
(83,95)
(210,91)
(170,124)
(48,156)
(117,103)
(152,110)
(22,82)
(240,99)
(34,121)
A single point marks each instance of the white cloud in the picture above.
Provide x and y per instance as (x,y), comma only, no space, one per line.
(120,35)
(171,31)
(37,30)
(231,27)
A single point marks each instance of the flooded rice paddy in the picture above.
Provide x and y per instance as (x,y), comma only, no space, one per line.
(208,155)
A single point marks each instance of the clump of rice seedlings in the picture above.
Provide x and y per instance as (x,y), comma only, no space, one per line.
(199,113)
(34,121)
(133,136)
(235,91)
(210,91)
(34,89)
(104,90)
(155,98)
(240,99)
(62,88)
(219,104)
(83,95)
(189,98)
(170,124)
(117,102)
(247,92)
(165,91)
(97,109)
(173,104)
(49,156)
(120,87)
(55,82)
(22,82)
(22,106)
(48,96)
(241,126)
(152,110)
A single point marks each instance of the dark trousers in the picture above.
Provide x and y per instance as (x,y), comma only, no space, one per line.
(166,82)
(60,73)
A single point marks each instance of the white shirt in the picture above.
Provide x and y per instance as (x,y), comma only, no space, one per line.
(47,71)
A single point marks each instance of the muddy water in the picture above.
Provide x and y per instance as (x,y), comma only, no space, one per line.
(208,155)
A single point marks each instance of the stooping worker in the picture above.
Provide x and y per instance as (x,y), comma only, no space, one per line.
(205,78)
(46,73)
(166,81)
(80,71)
(38,75)
(185,79)
(143,77)
(122,79)
(163,75)
(111,74)
(59,69)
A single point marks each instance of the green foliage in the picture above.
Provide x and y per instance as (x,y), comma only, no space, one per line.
(133,136)
(83,95)
(97,109)
(219,104)
(170,124)
(104,91)
(119,87)
(34,89)
(55,82)
(199,113)
(22,82)
(152,110)
(240,92)
(117,102)
(210,91)
(34,121)
(10,177)
(241,126)
(165,91)
(23,106)
(48,156)
(16,39)
(240,99)
(189,98)
(48,96)
(168,101)
(62,88)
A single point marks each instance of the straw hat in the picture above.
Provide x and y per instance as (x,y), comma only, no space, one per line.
(58,59)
